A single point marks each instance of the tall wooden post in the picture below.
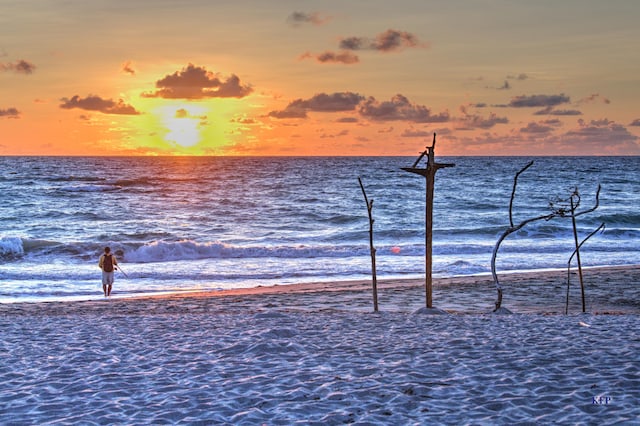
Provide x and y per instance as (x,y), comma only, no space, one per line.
(429,172)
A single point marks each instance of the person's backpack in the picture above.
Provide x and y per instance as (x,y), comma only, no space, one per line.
(107,263)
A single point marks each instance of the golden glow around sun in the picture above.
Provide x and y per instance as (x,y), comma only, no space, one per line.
(183,127)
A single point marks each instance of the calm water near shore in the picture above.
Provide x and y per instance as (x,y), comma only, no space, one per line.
(212,223)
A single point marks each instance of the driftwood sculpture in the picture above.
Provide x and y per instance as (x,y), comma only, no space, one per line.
(555,212)
(429,172)
(372,250)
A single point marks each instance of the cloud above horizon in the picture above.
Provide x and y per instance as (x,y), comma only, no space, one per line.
(537,128)
(297,19)
(388,41)
(519,77)
(98,104)
(399,108)
(594,98)
(195,82)
(603,136)
(20,67)
(344,57)
(322,102)
(524,101)
(10,113)
(128,68)
(414,133)
(603,133)
(551,111)
(473,121)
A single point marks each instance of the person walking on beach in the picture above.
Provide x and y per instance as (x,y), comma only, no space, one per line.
(108,264)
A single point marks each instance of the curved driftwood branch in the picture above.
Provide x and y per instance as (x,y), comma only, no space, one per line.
(513,191)
(510,230)
(596,205)
(504,235)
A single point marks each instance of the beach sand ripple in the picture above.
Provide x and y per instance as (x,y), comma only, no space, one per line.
(311,358)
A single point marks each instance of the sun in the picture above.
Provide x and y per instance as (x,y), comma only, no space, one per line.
(183,124)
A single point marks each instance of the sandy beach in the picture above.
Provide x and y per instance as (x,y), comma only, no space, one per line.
(318,354)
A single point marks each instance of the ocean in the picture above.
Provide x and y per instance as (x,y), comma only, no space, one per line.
(207,223)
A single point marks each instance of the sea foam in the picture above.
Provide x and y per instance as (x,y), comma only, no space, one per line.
(11,246)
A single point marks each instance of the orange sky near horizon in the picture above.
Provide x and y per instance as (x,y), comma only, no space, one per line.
(195,77)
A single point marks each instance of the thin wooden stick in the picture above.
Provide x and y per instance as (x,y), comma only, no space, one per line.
(372,249)
(600,228)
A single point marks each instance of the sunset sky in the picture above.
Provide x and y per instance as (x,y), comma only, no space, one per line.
(370,77)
